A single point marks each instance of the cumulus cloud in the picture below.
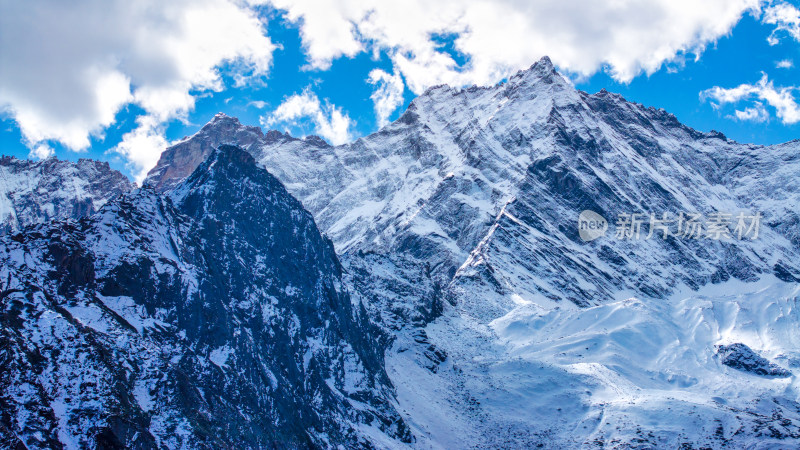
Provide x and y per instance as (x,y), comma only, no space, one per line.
(781,99)
(69,67)
(786,19)
(328,120)
(756,113)
(499,37)
(784,64)
(41,151)
(388,94)
(143,146)
(257,104)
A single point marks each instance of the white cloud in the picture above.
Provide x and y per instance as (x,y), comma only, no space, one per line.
(388,95)
(329,121)
(327,32)
(69,67)
(781,99)
(41,151)
(143,145)
(756,113)
(784,64)
(500,37)
(258,104)
(786,18)
(42,111)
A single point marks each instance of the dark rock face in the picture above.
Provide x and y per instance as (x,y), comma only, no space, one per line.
(179,161)
(742,357)
(399,291)
(42,191)
(211,318)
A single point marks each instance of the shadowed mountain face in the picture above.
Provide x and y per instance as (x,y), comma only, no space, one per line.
(212,317)
(40,191)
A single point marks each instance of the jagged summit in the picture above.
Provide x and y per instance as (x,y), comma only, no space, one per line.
(179,160)
(544,62)
(51,189)
(529,95)
(275,136)
(540,75)
(315,140)
(542,70)
(222,121)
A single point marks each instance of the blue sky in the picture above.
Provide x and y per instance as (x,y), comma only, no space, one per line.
(328,75)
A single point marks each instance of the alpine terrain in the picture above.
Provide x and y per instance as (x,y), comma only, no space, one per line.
(451,300)
(211,317)
(33,192)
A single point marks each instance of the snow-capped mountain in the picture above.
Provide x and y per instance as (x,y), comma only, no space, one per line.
(469,180)
(41,191)
(211,317)
(458,225)
(492,323)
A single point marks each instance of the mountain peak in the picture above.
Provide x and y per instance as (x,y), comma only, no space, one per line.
(220,121)
(317,141)
(222,116)
(275,135)
(179,161)
(540,71)
(544,63)
(220,180)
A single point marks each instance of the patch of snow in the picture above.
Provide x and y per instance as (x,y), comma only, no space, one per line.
(141,392)
(219,356)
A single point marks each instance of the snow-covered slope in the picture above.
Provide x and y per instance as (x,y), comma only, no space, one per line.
(41,191)
(214,317)
(457,226)
(624,374)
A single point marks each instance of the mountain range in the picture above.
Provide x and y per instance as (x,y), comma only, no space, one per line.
(426,285)
(41,191)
